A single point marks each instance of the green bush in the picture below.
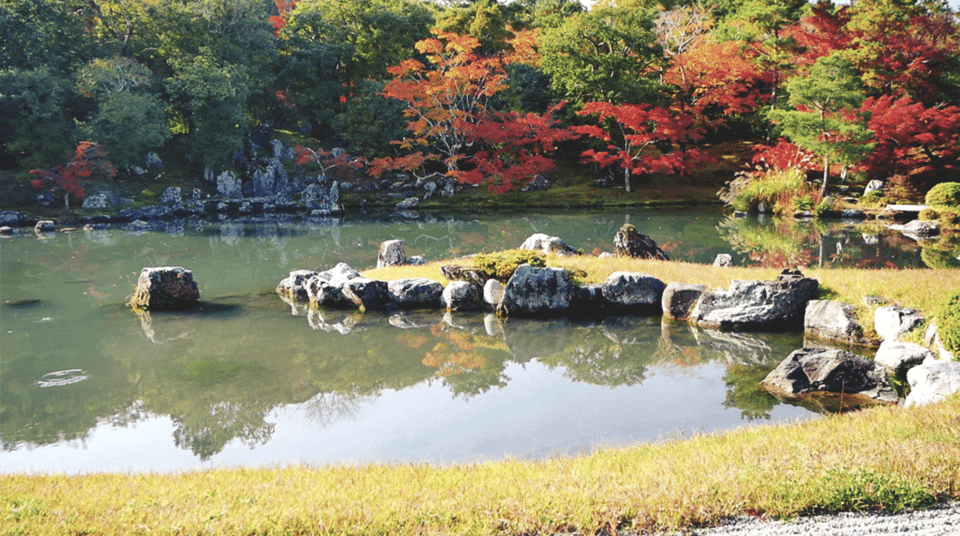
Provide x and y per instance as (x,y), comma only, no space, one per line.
(777,188)
(928,214)
(944,194)
(821,209)
(950,217)
(872,199)
(948,323)
(502,264)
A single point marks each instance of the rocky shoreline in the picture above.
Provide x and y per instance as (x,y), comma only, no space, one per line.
(835,378)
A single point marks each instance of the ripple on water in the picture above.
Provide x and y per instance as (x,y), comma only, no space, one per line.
(62,377)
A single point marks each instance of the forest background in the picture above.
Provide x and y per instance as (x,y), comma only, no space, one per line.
(486,93)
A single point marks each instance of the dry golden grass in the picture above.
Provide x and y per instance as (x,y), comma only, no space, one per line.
(884,457)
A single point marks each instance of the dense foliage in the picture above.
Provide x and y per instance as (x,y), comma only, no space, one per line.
(948,323)
(485,92)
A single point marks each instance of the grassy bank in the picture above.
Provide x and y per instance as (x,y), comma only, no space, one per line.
(881,458)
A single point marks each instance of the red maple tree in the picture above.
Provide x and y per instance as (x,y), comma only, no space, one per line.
(88,159)
(642,138)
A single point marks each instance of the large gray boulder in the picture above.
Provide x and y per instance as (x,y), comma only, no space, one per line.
(634,292)
(679,298)
(899,357)
(537,292)
(834,321)
(629,242)
(819,370)
(391,254)
(326,288)
(416,293)
(228,185)
(368,294)
(460,296)
(547,244)
(892,321)
(294,286)
(757,305)
(9,217)
(165,287)
(322,201)
(172,198)
(932,382)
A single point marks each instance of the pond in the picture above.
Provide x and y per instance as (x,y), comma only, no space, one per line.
(88,385)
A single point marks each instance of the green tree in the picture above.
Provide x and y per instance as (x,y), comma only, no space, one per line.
(484,20)
(44,33)
(208,107)
(604,54)
(129,120)
(825,117)
(36,127)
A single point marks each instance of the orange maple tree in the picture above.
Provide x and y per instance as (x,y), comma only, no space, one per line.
(450,122)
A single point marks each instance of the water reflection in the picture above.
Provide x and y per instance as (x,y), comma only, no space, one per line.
(78,366)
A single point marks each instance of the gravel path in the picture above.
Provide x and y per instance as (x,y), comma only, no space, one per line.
(941,521)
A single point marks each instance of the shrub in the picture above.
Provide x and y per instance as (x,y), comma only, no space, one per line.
(502,264)
(944,194)
(821,209)
(777,188)
(928,214)
(948,323)
(950,217)
(872,199)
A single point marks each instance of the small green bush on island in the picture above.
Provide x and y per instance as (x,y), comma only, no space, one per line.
(948,322)
(781,189)
(502,264)
(945,194)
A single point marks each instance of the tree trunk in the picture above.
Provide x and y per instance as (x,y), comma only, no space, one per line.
(626,178)
(66,202)
(826,176)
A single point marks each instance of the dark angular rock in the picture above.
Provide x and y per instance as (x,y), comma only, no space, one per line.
(629,242)
(819,370)
(294,286)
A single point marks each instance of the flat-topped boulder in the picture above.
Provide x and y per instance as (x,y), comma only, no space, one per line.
(165,287)
(294,286)
(537,292)
(634,292)
(777,305)
(416,293)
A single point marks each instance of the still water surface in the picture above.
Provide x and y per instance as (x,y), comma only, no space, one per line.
(88,385)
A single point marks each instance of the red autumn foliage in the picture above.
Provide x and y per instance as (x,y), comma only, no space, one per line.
(88,159)
(912,139)
(715,79)
(783,155)
(642,139)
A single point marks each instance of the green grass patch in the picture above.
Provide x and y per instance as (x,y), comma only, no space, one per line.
(882,458)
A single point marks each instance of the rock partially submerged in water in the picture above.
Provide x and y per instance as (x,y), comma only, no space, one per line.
(629,242)
(832,373)
(165,287)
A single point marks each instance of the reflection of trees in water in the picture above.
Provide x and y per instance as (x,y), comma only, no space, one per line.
(745,394)
(328,408)
(205,430)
